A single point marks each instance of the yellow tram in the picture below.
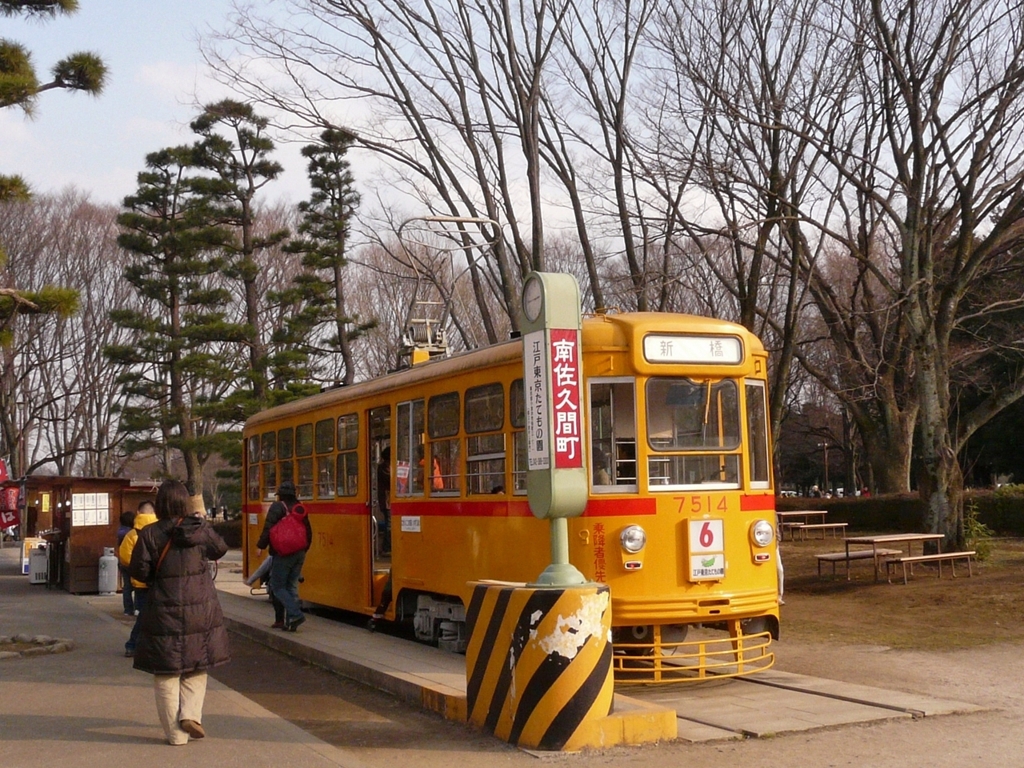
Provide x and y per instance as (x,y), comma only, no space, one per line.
(420,476)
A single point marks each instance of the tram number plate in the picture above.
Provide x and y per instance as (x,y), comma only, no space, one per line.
(410,524)
(707,550)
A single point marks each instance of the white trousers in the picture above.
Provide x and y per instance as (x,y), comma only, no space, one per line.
(179,697)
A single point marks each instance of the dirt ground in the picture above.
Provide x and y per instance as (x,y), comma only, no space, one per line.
(952,639)
(925,614)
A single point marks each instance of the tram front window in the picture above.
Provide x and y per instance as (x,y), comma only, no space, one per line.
(694,433)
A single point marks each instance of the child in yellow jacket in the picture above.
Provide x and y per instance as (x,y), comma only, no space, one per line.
(145,516)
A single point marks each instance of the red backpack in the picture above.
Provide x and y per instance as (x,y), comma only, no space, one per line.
(288,535)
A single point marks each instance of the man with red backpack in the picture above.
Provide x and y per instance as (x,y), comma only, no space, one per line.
(288,546)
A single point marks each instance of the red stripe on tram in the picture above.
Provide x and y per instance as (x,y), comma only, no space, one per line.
(759,503)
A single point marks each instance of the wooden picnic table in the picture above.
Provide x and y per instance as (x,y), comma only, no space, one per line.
(788,520)
(890,538)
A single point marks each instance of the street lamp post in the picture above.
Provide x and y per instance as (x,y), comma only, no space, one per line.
(824,447)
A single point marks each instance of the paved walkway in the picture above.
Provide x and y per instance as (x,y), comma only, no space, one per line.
(89,709)
(89,705)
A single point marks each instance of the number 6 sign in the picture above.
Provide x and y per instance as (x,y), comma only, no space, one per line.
(707,550)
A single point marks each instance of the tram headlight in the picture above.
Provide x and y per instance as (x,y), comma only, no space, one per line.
(762,533)
(633,538)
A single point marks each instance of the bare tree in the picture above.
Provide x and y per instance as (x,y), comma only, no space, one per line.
(79,423)
(503,111)
(729,158)
(940,176)
(62,393)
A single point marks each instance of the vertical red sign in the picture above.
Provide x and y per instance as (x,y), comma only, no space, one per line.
(9,507)
(565,391)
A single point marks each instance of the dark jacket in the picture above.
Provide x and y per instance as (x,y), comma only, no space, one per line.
(182,627)
(275,514)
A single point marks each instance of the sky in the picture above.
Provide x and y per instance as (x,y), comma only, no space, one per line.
(156,77)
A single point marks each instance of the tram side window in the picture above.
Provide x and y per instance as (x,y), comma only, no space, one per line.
(324,440)
(409,453)
(285,443)
(285,471)
(517,416)
(270,481)
(253,478)
(304,464)
(485,453)
(348,456)
(612,434)
(325,436)
(757,434)
(443,429)
(694,433)
(268,455)
(268,446)
(325,476)
(285,451)
(253,482)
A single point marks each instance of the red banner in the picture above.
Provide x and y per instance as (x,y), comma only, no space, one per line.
(565,391)
(4,474)
(9,498)
(8,518)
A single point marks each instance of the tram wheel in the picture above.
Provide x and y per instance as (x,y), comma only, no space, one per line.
(673,633)
(754,626)
(640,633)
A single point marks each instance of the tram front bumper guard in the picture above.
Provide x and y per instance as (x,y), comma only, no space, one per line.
(692,660)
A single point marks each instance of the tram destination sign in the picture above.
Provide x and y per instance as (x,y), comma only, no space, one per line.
(716,350)
(555,360)
(556,476)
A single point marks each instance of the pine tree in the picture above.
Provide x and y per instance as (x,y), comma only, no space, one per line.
(19,86)
(235,148)
(325,227)
(19,83)
(179,366)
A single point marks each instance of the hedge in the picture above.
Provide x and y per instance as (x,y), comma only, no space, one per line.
(231,532)
(1001,509)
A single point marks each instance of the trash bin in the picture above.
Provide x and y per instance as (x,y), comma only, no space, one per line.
(38,564)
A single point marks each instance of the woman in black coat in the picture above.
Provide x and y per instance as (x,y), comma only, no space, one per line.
(182,627)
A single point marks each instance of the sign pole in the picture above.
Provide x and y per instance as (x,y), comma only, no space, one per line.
(556,633)
(556,480)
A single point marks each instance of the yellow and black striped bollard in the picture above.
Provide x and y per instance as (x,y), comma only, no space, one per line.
(539,662)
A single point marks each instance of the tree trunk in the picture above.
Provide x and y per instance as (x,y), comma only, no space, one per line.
(940,481)
(941,484)
(887,433)
(198,505)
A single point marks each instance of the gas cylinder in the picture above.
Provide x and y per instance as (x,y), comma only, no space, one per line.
(108,572)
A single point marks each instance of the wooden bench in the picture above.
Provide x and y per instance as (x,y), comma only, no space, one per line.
(951,557)
(857,554)
(834,528)
(791,527)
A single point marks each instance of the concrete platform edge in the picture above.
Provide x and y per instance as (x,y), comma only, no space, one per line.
(448,703)
(631,722)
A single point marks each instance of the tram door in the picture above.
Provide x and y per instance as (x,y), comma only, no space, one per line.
(380,467)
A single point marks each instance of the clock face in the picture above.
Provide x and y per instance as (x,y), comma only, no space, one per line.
(532,299)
